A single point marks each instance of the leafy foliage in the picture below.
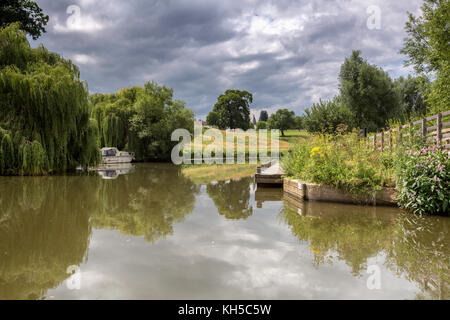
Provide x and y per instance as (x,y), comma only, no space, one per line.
(141,119)
(367,91)
(30,16)
(44,113)
(232,110)
(342,161)
(428,51)
(261,125)
(411,97)
(283,120)
(326,116)
(424,180)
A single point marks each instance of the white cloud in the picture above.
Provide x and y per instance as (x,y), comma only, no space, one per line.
(84,59)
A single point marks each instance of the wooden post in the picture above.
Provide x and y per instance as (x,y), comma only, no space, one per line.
(411,128)
(390,140)
(424,130)
(382,141)
(375,142)
(439,129)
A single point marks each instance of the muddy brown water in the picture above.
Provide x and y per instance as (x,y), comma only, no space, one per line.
(150,233)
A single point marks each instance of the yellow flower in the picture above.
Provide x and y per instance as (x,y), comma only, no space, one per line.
(315,151)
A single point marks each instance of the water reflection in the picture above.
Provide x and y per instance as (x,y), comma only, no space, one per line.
(232,197)
(421,252)
(145,204)
(415,247)
(41,232)
(113,171)
(249,250)
(46,222)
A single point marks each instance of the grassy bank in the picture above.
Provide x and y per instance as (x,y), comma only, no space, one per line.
(204,174)
(291,136)
(419,172)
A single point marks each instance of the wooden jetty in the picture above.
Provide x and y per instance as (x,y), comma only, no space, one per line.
(269,174)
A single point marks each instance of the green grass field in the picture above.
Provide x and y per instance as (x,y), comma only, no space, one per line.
(204,173)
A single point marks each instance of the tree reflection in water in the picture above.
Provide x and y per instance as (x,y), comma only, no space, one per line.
(232,197)
(415,247)
(45,222)
(147,203)
(421,252)
(42,232)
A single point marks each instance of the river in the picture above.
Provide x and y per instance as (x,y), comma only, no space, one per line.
(151,233)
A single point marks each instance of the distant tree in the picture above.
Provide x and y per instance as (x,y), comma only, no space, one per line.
(411,97)
(368,91)
(30,16)
(427,46)
(326,116)
(261,125)
(263,116)
(299,122)
(283,120)
(232,110)
(212,119)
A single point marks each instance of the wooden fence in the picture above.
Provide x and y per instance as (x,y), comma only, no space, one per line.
(431,129)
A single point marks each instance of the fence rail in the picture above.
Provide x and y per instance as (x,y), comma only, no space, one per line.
(431,129)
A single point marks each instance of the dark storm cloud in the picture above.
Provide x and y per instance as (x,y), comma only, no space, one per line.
(287,53)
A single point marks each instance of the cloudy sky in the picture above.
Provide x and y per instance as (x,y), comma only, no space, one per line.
(287,53)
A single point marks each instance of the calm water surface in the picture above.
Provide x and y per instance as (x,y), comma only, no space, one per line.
(153,234)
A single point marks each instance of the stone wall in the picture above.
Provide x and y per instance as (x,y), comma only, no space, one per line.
(318,192)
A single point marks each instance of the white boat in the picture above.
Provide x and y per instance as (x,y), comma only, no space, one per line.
(113,155)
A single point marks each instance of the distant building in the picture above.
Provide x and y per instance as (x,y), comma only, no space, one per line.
(199,122)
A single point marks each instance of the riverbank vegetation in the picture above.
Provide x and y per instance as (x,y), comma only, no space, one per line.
(44,114)
(141,120)
(419,172)
(48,122)
(369,99)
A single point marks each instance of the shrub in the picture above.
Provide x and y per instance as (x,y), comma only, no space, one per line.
(261,125)
(423,180)
(342,161)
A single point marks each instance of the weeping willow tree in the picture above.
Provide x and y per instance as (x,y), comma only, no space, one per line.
(141,120)
(44,111)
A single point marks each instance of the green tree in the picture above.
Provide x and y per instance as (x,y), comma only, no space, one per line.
(263,116)
(428,50)
(283,120)
(411,97)
(261,125)
(232,110)
(299,122)
(44,109)
(141,119)
(212,119)
(326,116)
(30,16)
(368,91)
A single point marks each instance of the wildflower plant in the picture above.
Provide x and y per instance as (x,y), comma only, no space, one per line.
(424,180)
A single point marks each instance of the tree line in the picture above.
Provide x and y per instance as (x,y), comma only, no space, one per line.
(140,119)
(49,123)
(370,98)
